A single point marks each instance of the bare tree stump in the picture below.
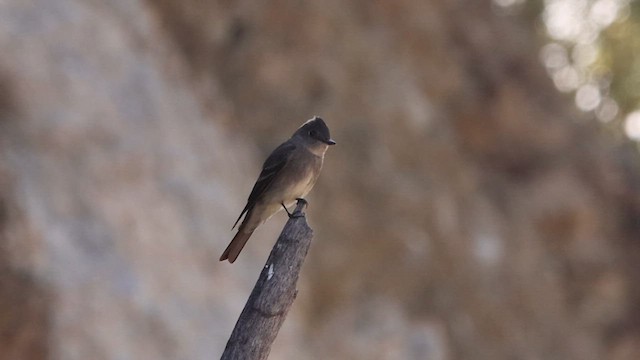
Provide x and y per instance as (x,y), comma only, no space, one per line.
(273,293)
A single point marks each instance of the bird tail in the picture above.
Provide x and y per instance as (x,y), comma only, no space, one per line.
(233,250)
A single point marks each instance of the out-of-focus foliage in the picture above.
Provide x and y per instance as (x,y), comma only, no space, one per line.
(620,56)
(594,54)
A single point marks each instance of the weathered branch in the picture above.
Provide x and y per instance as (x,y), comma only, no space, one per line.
(273,293)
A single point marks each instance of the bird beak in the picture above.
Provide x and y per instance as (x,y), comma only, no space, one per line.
(330,142)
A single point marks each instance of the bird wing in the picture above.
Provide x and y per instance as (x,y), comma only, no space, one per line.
(270,169)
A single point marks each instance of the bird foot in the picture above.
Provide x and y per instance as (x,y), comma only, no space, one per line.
(295,214)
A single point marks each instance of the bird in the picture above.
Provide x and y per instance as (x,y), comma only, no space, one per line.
(287,175)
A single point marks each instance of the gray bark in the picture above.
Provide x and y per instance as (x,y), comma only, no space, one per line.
(273,293)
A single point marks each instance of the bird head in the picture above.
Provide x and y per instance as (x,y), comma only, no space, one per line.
(315,130)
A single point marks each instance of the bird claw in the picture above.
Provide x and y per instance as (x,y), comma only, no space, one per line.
(295,214)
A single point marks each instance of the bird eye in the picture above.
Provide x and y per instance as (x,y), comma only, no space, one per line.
(312,133)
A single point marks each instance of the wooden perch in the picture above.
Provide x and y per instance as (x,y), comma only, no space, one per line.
(273,293)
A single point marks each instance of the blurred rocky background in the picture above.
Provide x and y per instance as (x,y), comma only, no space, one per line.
(483,201)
